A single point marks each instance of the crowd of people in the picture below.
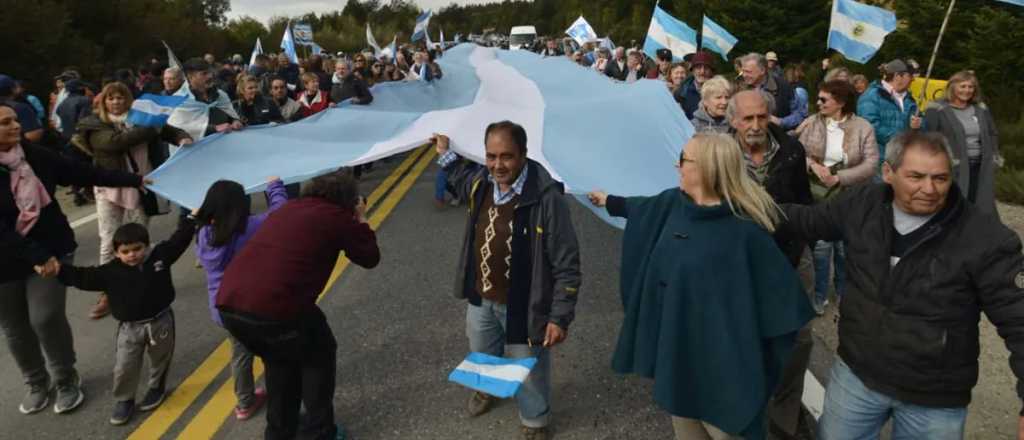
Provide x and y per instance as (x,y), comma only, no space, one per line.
(891,206)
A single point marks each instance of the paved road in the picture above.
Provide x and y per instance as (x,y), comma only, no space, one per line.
(400,333)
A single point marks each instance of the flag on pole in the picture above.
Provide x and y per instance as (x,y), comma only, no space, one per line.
(420,31)
(493,375)
(172,61)
(607,42)
(581,31)
(858,30)
(258,50)
(372,41)
(302,33)
(667,32)
(315,49)
(716,38)
(288,44)
(391,49)
(151,110)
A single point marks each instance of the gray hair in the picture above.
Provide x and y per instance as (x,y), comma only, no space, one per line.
(176,71)
(716,86)
(754,56)
(730,111)
(933,142)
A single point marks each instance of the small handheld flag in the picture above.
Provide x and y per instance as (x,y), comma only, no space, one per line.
(493,375)
(153,110)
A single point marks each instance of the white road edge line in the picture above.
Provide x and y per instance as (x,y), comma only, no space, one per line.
(83,221)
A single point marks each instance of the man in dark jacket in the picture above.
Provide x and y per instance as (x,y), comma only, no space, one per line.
(519,267)
(923,263)
(75,107)
(756,76)
(777,162)
(345,85)
(222,118)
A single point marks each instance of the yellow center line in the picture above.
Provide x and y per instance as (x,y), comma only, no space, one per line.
(182,396)
(211,417)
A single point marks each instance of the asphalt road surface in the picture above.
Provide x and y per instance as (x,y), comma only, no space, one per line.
(400,333)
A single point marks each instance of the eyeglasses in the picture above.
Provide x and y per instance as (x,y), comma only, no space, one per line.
(680,163)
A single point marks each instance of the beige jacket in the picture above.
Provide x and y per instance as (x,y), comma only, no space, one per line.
(859,144)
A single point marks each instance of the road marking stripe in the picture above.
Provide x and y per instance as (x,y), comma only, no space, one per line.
(211,417)
(157,424)
(84,220)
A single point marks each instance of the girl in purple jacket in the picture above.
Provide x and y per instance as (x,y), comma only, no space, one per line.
(226,227)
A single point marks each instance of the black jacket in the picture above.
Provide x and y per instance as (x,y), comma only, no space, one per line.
(787,183)
(911,331)
(135,293)
(351,87)
(612,70)
(73,109)
(262,111)
(51,236)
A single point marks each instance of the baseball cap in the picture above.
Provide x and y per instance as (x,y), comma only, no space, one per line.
(67,75)
(771,56)
(195,65)
(664,54)
(896,66)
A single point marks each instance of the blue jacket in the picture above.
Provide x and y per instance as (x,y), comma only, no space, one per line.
(880,109)
(688,97)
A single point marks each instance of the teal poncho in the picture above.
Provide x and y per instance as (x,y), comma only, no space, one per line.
(712,308)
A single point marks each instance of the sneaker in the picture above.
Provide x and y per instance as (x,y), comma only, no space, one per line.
(37,399)
(454,202)
(123,412)
(247,412)
(534,433)
(101,309)
(479,403)
(154,397)
(69,395)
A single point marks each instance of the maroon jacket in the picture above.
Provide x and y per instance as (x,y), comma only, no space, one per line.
(281,270)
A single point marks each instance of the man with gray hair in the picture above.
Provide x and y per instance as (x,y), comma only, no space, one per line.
(172,80)
(617,67)
(756,76)
(778,163)
(922,265)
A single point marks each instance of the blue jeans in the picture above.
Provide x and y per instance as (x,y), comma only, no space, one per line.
(485,327)
(854,412)
(826,252)
(440,184)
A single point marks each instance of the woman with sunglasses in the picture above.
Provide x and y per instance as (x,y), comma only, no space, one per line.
(699,266)
(376,74)
(841,152)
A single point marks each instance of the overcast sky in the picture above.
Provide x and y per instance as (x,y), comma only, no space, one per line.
(263,10)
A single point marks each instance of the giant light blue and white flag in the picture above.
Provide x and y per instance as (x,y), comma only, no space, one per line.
(493,375)
(1014,2)
(288,44)
(151,110)
(858,30)
(667,32)
(715,38)
(581,31)
(420,31)
(480,85)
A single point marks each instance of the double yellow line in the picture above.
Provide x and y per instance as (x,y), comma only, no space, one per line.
(211,417)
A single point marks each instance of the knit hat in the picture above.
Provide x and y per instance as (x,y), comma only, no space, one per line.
(702,58)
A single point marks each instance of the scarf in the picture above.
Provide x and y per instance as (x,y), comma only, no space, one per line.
(30,196)
(304,99)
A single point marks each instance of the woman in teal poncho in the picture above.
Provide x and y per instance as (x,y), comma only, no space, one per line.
(711,304)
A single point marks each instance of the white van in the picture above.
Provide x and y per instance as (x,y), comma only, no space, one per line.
(521,37)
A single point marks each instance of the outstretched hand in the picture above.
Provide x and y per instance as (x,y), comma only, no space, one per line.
(598,198)
(441,143)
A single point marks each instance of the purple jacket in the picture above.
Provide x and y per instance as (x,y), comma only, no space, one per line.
(215,259)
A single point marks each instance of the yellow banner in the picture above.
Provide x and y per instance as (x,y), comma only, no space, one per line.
(936,90)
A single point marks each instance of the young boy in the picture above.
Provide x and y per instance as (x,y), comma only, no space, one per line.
(138,285)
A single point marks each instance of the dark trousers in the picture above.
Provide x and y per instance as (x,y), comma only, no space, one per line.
(972,186)
(300,359)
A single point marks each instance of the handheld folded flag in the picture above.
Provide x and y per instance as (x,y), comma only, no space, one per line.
(493,375)
(153,110)
(858,30)
(372,41)
(288,44)
(420,31)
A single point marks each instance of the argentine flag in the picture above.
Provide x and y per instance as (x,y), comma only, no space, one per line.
(1014,2)
(256,51)
(581,31)
(153,110)
(420,31)
(667,32)
(372,41)
(288,44)
(493,375)
(858,30)
(716,38)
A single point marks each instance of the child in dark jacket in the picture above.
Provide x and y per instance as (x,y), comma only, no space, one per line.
(139,287)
